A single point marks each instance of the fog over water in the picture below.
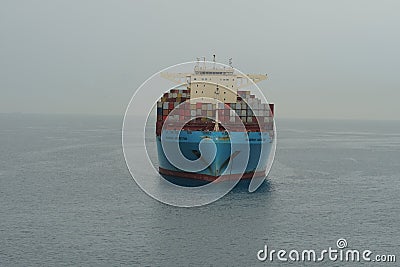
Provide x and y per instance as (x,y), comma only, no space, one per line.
(336,59)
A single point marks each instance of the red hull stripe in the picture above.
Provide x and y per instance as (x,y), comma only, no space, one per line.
(210,178)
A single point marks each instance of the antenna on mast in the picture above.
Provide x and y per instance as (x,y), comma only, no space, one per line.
(214,60)
(230,62)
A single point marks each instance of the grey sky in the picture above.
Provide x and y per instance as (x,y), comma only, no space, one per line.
(335,59)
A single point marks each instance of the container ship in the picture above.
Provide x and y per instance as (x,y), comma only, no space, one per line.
(211,104)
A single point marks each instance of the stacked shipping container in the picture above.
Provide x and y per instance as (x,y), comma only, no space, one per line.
(246,108)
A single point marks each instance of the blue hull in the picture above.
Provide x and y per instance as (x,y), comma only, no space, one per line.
(189,145)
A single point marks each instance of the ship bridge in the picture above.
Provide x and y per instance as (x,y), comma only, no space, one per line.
(203,70)
(209,81)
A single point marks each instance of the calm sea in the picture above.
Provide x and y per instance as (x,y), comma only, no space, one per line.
(67,198)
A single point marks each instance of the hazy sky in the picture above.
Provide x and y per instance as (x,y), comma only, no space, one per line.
(335,59)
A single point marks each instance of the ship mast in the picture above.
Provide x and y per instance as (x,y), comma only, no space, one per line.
(216,125)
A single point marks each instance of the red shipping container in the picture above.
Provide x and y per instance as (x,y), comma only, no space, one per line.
(271,107)
(183,106)
(198,105)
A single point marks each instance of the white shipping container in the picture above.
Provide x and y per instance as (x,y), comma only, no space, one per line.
(159,104)
(193,112)
(165,105)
